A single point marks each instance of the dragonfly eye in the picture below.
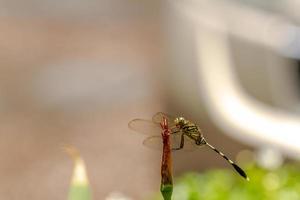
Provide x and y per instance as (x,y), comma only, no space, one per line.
(180,121)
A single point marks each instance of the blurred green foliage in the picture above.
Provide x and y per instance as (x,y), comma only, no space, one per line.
(280,184)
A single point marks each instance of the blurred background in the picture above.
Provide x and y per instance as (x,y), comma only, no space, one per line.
(76,72)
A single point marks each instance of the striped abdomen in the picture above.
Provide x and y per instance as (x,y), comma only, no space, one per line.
(237,168)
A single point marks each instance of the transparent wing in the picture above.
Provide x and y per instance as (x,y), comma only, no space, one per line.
(157,118)
(145,126)
(156,142)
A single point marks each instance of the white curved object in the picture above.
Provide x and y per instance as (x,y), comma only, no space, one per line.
(229,105)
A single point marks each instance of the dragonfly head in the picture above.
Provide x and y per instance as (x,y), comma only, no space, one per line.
(180,121)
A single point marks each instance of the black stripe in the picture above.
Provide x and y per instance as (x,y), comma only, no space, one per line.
(237,168)
(190,128)
(222,154)
(240,171)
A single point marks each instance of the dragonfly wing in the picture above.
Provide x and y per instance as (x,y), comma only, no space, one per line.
(145,126)
(158,117)
(154,142)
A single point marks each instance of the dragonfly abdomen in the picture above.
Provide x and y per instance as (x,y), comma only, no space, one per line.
(237,168)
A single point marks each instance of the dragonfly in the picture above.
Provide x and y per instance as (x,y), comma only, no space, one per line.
(185,135)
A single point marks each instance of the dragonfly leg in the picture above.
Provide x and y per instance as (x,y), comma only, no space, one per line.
(174,130)
(181,143)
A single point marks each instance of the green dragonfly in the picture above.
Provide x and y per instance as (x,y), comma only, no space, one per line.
(184,135)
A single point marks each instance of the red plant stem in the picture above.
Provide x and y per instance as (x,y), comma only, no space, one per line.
(166,164)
